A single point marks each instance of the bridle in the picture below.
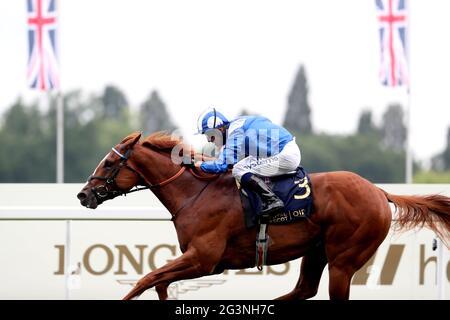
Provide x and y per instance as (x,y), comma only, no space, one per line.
(106,190)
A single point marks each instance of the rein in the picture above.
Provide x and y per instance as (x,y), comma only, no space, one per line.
(105,190)
(190,201)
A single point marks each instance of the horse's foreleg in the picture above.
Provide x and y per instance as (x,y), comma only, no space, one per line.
(161,289)
(311,270)
(187,266)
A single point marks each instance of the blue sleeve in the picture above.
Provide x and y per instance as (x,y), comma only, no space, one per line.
(230,154)
(215,166)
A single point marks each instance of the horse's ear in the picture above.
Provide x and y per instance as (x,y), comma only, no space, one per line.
(132,139)
(135,139)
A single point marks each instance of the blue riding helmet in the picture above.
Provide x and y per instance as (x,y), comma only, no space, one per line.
(210,119)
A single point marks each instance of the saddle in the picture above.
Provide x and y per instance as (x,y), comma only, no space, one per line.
(296,193)
(293,189)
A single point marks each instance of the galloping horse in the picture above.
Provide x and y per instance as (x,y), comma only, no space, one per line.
(351,218)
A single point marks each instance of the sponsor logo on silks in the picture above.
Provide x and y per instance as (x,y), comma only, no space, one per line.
(180,287)
(261,162)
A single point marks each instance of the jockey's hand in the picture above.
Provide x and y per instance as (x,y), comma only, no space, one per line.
(208,158)
(197,164)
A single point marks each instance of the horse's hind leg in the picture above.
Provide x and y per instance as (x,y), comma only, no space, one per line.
(344,264)
(311,270)
(339,287)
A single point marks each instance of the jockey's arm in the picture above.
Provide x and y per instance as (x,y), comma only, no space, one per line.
(229,155)
(208,158)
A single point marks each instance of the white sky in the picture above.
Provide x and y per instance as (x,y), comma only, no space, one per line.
(238,54)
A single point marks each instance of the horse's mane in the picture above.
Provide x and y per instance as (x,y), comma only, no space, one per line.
(161,140)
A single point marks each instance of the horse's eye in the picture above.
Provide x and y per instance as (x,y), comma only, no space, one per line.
(108,164)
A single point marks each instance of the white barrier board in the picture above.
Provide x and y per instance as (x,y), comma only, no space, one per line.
(107,257)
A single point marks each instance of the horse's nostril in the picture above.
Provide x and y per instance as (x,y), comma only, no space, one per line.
(81,196)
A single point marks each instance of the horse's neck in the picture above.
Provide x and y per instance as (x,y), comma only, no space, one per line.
(156,168)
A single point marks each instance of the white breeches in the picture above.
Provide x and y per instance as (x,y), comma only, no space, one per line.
(285,162)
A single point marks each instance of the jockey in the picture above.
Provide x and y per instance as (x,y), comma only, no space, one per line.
(255,147)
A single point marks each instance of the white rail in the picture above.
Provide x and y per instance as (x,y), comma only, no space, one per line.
(51,202)
(70,213)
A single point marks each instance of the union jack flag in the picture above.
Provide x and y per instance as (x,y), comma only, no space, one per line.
(392,18)
(43,68)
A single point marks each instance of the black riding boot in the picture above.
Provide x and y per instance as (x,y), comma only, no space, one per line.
(271,202)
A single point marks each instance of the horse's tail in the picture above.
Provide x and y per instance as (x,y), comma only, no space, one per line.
(432,211)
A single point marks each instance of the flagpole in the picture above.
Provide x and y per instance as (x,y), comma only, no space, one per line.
(59,110)
(59,138)
(409,159)
(60,160)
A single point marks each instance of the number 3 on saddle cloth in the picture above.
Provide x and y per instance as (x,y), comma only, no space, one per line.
(293,189)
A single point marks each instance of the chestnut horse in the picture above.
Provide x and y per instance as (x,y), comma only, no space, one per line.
(351,218)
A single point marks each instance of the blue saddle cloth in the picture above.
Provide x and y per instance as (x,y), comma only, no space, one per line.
(294,189)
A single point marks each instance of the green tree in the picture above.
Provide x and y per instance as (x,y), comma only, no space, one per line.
(365,123)
(154,115)
(244,112)
(81,148)
(446,153)
(115,103)
(89,136)
(361,154)
(28,138)
(393,128)
(27,149)
(441,161)
(298,114)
